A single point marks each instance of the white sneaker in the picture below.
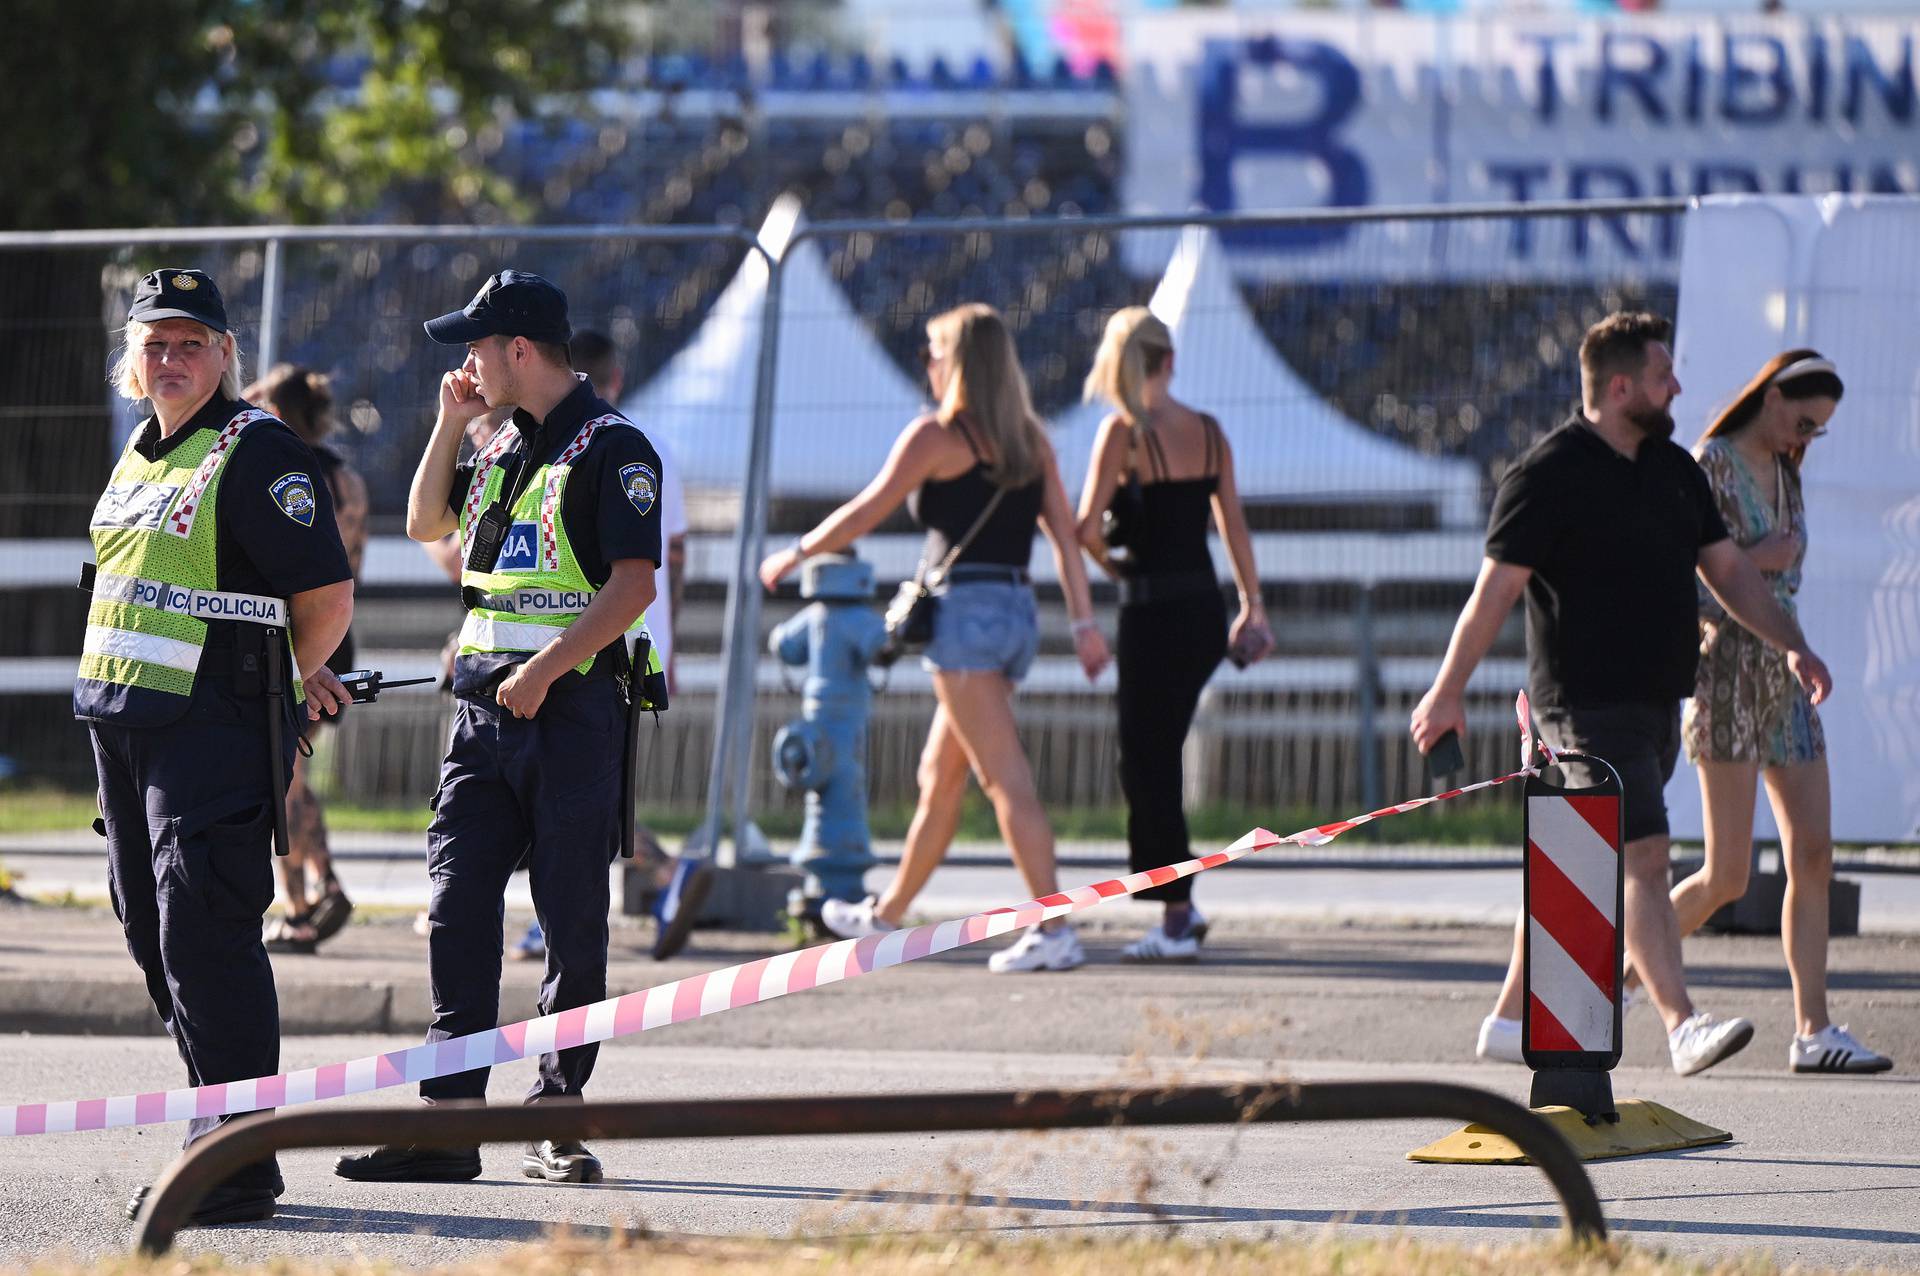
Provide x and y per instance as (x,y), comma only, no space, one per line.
(1834,1049)
(1500,1040)
(1040,950)
(1702,1041)
(1157,945)
(853,921)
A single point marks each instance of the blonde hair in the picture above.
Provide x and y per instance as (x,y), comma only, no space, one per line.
(125,376)
(1135,346)
(989,389)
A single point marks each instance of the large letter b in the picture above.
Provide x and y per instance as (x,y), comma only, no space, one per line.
(1225,138)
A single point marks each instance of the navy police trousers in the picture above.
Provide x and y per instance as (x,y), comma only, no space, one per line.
(541,793)
(189,824)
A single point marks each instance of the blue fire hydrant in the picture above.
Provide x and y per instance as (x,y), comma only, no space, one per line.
(824,750)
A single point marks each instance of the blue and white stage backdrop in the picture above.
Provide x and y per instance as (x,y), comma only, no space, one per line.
(1260,111)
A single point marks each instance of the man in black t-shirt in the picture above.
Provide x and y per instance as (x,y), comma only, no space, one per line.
(1603,525)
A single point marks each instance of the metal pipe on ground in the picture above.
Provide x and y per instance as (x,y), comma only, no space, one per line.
(213,1159)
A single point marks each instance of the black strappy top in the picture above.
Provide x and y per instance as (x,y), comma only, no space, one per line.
(948,507)
(1174,513)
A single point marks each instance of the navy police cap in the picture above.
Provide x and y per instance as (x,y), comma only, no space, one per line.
(512,303)
(179,294)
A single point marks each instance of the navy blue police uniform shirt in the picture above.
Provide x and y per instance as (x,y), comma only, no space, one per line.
(1613,542)
(608,514)
(276,532)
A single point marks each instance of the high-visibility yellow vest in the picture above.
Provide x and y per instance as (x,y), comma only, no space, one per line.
(537,587)
(155,537)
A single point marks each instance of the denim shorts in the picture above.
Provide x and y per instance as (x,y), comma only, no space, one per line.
(984,626)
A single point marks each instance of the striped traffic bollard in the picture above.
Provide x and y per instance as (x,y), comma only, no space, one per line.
(1574,898)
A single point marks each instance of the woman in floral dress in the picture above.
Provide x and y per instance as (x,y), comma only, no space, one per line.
(1748,718)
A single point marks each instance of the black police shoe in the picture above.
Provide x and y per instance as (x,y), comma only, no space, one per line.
(224,1204)
(404,1163)
(561,1163)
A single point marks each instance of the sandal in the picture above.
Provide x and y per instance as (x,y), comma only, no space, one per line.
(290,934)
(331,913)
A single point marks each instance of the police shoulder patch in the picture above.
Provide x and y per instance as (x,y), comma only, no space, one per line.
(293,493)
(641,485)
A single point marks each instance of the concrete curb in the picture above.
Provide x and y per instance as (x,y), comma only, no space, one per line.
(120,1008)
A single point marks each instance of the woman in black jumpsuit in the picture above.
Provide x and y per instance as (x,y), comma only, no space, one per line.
(1163,470)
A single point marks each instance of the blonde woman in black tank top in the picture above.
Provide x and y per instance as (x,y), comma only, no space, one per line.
(1164,469)
(947,464)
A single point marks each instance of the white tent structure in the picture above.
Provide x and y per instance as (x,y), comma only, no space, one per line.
(1288,444)
(839,401)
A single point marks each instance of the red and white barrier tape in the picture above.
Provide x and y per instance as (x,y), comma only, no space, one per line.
(695,997)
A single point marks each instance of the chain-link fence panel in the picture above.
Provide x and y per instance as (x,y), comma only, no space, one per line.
(1370,410)
(347,305)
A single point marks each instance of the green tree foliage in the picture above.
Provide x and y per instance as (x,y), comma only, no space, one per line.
(209,112)
(173,112)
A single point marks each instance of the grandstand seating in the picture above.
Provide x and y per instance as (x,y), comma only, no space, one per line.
(1387,355)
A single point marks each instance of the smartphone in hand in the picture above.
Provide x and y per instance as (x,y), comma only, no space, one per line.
(1254,644)
(1446,757)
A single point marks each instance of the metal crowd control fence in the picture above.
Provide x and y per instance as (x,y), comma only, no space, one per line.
(299,288)
(1057,301)
(728,332)
(242,1142)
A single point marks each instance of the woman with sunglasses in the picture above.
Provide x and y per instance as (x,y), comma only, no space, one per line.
(978,473)
(1748,718)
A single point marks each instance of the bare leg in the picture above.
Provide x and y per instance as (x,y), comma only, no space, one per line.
(1802,806)
(306,834)
(980,706)
(303,814)
(1726,803)
(1653,935)
(943,783)
(1513,992)
(295,931)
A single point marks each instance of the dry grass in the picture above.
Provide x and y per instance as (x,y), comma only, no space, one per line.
(635,1254)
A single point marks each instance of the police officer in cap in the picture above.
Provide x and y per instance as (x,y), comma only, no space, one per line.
(559,527)
(219,577)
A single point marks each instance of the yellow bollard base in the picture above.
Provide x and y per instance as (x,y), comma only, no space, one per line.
(1643,1127)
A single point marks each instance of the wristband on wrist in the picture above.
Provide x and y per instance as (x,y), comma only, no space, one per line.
(1086,624)
(799,550)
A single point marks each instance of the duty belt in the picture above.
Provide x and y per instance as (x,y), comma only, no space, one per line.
(529,602)
(201,604)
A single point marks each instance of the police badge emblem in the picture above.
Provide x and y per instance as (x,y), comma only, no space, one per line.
(641,485)
(293,493)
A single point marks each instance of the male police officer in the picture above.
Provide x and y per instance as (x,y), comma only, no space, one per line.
(559,528)
(220,575)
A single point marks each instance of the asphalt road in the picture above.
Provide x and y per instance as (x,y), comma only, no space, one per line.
(1822,1170)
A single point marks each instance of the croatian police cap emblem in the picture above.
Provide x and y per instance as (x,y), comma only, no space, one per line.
(185,283)
(293,493)
(640,484)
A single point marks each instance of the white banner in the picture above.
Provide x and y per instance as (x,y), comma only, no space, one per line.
(1841,276)
(1259,111)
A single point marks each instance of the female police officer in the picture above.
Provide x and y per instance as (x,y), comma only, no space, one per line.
(217,556)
